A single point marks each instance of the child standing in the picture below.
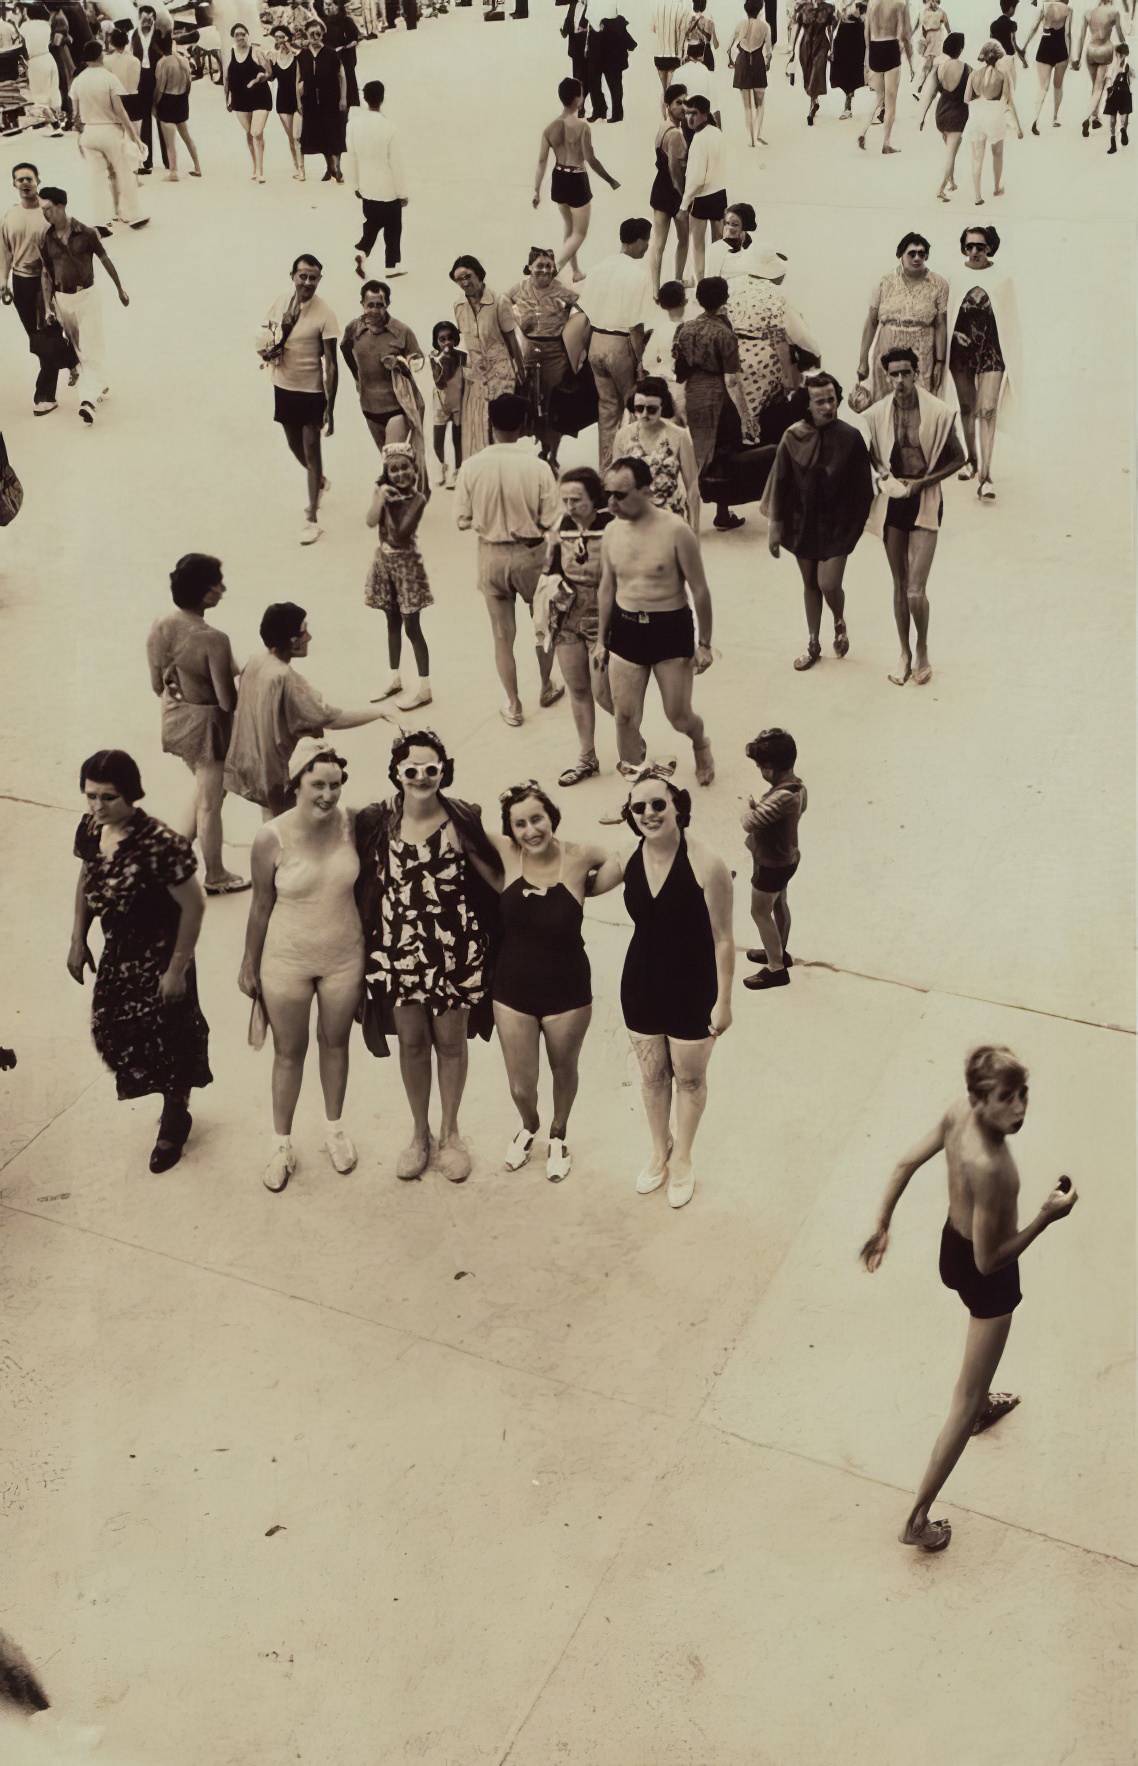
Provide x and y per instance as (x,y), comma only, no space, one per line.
(397,581)
(771,827)
(1118,100)
(447,363)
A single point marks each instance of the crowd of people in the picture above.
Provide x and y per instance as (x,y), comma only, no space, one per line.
(410,916)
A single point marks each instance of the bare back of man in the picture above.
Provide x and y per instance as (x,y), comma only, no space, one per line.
(887,34)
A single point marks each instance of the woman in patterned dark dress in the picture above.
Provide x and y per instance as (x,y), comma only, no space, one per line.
(138,880)
(430,923)
(983,352)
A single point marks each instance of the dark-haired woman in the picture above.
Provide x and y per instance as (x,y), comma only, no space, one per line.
(494,364)
(246,86)
(733,254)
(907,309)
(547,317)
(284,73)
(649,434)
(949,84)
(707,366)
(428,919)
(542,985)
(343,36)
(847,54)
(322,86)
(138,880)
(749,53)
(576,559)
(984,352)
(813,31)
(675,990)
(193,672)
(303,938)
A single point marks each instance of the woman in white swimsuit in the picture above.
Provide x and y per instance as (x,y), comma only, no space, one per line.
(989,100)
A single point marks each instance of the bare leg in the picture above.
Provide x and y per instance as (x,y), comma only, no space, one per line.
(170,137)
(987,404)
(192,149)
(897,552)
(413,1029)
(244,119)
(922,548)
(394,636)
(831,574)
(656,1092)
(413,627)
(576,669)
(313,466)
(997,168)
(1059,75)
(763,903)
(977,167)
(660,224)
(336,1002)
(520,1038)
(812,599)
(683,235)
(504,628)
(288,1015)
(674,679)
(749,115)
(629,683)
(892,82)
(576,222)
(210,793)
(564,1033)
(874,81)
(689,1065)
(698,245)
(452,1054)
(966,396)
(982,1351)
(760,97)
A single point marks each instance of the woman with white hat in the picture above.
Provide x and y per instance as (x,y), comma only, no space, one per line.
(304,937)
(767,327)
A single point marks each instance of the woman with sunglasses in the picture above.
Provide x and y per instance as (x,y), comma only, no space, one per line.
(284,74)
(246,88)
(908,309)
(675,990)
(303,939)
(550,321)
(323,88)
(650,435)
(984,353)
(576,559)
(542,985)
(429,919)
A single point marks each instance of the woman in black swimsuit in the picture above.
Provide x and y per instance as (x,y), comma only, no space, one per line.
(675,991)
(1052,58)
(283,72)
(247,95)
(668,187)
(948,86)
(542,986)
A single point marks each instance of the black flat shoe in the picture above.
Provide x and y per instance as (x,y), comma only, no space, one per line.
(760,956)
(729,524)
(766,978)
(173,1133)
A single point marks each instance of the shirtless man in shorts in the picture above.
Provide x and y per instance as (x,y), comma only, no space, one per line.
(645,628)
(1094,33)
(979,1254)
(887,32)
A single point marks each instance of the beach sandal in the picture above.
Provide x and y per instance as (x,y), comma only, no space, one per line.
(231,885)
(581,769)
(935,1537)
(841,638)
(519,1149)
(985,491)
(998,1405)
(968,473)
(809,656)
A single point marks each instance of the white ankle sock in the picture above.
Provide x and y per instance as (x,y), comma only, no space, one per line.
(282,1143)
(333,1127)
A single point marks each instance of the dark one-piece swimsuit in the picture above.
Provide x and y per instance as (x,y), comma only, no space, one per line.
(669,985)
(542,968)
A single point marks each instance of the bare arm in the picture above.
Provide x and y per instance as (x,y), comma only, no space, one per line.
(221,674)
(154,663)
(606,600)
(114,276)
(263,860)
(331,380)
(992,1253)
(591,158)
(607,875)
(542,162)
(190,897)
(79,956)
(379,498)
(934,93)
(1009,93)
(504,848)
(690,562)
(940,348)
(933,1143)
(952,457)
(717,892)
(868,333)
(351,720)
(690,476)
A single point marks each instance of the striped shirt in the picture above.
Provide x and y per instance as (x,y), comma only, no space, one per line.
(670,28)
(771,825)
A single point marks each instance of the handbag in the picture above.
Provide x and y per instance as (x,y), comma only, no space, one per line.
(11,490)
(258,1023)
(860,398)
(54,348)
(574,405)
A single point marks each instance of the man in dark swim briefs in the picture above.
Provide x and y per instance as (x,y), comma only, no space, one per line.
(979,1254)
(887,31)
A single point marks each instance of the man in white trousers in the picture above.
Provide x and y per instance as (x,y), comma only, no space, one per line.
(68,250)
(104,130)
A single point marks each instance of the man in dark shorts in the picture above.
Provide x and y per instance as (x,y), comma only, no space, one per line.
(913,445)
(705,186)
(887,32)
(979,1259)
(771,827)
(670,29)
(650,558)
(298,340)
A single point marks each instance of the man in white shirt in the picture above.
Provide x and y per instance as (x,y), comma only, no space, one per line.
(617,302)
(694,74)
(376,174)
(509,497)
(21,260)
(298,338)
(705,190)
(104,130)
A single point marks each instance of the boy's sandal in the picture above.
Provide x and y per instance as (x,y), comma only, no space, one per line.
(581,769)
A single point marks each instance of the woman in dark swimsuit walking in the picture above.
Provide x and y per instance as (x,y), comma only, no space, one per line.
(675,991)
(247,95)
(1053,56)
(948,86)
(542,985)
(668,187)
(284,73)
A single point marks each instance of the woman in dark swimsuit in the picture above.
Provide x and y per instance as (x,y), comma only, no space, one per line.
(675,991)
(668,187)
(948,86)
(1052,58)
(284,73)
(542,987)
(247,95)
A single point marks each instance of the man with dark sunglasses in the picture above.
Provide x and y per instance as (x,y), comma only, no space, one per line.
(650,558)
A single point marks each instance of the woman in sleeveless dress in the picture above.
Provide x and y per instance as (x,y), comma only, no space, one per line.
(303,937)
(675,990)
(193,672)
(948,86)
(1052,58)
(847,55)
(649,434)
(542,987)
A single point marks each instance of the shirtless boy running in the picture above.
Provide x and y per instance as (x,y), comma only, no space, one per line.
(979,1251)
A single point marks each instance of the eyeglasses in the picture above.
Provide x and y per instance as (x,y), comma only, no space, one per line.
(916,251)
(976,245)
(617,496)
(653,805)
(648,410)
(431,771)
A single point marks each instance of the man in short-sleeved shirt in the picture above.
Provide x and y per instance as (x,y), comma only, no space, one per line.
(68,251)
(368,342)
(21,263)
(298,338)
(275,707)
(105,129)
(617,301)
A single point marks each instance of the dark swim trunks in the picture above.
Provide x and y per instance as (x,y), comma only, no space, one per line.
(884,54)
(986,1296)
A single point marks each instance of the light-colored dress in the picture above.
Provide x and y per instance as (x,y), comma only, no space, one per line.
(758,312)
(907,311)
(489,366)
(667,489)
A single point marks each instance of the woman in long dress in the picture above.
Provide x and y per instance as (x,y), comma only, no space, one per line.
(813,31)
(323,89)
(707,366)
(907,308)
(769,330)
(494,362)
(847,53)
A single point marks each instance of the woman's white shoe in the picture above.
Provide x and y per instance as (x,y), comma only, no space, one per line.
(340,1150)
(557,1161)
(519,1149)
(650,1180)
(681,1189)
(279,1169)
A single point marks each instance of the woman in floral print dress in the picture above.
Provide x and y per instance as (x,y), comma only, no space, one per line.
(138,879)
